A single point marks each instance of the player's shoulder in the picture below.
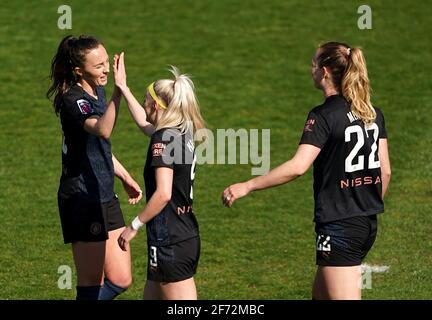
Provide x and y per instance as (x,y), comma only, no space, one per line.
(332,109)
(166,134)
(76,102)
(378,112)
(74,94)
(330,105)
(379,117)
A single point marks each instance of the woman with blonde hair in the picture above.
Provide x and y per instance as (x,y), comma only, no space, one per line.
(170,116)
(346,140)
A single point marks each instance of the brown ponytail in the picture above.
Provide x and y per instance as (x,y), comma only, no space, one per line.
(349,74)
(70,54)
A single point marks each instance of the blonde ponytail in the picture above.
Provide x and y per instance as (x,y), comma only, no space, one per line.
(356,88)
(350,78)
(183,111)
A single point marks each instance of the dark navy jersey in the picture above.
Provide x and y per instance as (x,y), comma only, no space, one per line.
(347,173)
(87,160)
(176,222)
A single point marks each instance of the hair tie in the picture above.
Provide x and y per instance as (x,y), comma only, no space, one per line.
(349,52)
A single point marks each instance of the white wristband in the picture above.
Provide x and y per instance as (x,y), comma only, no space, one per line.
(136,224)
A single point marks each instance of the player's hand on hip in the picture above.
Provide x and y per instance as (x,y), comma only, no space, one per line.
(133,190)
(234,192)
(127,235)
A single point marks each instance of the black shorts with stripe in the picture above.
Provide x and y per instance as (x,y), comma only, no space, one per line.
(82,220)
(174,262)
(345,242)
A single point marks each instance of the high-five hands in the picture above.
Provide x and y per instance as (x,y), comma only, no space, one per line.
(119,70)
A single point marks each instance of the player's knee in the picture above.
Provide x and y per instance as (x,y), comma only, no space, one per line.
(121,280)
(127,283)
(124,282)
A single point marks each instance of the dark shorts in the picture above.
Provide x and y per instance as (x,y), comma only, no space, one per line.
(174,262)
(345,242)
(82,220)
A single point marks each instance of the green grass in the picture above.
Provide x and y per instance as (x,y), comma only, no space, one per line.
(251,66)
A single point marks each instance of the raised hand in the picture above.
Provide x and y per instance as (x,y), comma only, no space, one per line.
(119,71)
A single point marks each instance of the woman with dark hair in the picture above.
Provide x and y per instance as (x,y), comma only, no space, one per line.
(90,212)
(346,140)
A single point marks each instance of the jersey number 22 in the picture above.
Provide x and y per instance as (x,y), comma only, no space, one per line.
(349,165)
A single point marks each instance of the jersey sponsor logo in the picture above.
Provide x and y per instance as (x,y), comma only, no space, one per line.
(84,106)
(308,125)
(357,182)
(157,149)
(184,210)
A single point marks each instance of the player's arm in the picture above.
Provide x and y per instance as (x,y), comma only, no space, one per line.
(385,165)
(136,110)
(131,187)
(286,172)
(159,199)
(103,126)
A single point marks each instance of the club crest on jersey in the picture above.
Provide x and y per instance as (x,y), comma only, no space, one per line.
(308,125)
(95,228)
(84,106)
(157,149)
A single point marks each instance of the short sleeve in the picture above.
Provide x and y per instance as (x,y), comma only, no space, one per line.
(316,130)
(162,148)
(381,124)
(77,110)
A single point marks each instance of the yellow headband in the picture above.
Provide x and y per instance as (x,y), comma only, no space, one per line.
(153,94)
